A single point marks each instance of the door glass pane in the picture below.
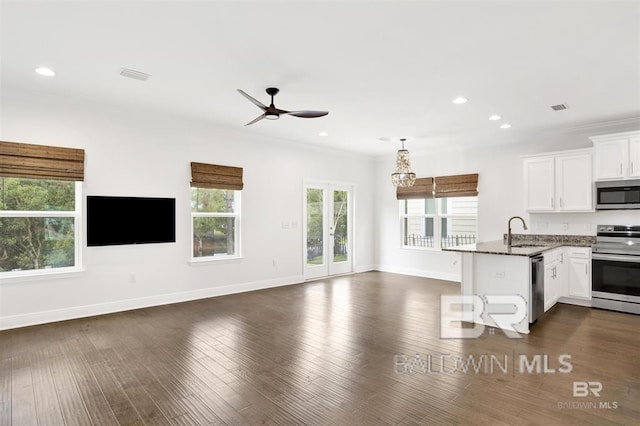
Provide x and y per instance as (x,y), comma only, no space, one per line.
(340,231)
(315,231)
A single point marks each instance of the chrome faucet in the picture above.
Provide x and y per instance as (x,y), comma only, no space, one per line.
(509,226)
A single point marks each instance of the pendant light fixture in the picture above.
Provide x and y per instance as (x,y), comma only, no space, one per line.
(403,176)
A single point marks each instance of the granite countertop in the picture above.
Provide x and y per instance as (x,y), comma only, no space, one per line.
(499,247)
(537,244)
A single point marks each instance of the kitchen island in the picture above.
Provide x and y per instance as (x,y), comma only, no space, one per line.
(494,268)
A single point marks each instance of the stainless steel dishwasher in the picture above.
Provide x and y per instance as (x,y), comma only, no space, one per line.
(537,287)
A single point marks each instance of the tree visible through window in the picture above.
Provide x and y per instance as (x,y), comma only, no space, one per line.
(39,222)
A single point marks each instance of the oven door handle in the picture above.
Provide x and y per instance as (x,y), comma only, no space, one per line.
(615,258)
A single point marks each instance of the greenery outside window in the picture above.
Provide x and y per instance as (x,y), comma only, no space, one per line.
(438,222)
(40,226)
(215,221)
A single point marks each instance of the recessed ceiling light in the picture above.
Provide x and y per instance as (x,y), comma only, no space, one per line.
(323,134)
(47,72)
(460,100)
(505,126)
(495,117)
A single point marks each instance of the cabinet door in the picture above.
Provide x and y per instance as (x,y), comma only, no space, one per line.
(574,183)
(634,157)
(539,184)
(611,158)
(549,285)
(580,278)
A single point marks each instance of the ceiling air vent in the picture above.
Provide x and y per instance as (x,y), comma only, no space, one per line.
(136,75)
(559,107)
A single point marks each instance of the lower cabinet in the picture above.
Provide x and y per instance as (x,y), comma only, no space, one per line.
(579,285)
(554,277)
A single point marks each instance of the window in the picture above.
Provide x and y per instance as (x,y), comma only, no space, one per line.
(40,209)
(40,225)
(439,212)
(215,217)
(439,222)
(215,211)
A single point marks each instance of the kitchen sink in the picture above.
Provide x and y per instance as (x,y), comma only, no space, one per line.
(527,245)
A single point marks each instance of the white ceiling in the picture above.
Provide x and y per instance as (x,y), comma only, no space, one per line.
(384,69)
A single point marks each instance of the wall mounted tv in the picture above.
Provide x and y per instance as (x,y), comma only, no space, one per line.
(130,220)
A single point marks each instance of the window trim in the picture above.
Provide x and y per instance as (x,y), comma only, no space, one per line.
(52,273)
(236,214)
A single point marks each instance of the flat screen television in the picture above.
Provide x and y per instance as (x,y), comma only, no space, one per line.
(130,220)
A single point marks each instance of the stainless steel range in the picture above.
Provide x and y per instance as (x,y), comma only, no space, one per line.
(616,268)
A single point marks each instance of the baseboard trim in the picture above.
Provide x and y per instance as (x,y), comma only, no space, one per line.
(43,317)
(419,273)
(365,268)
(575,301)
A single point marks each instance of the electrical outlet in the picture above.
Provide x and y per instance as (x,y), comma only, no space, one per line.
(500,275)
(132,277)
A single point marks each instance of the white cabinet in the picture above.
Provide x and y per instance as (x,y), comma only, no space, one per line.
(634,157)
(554,277)
(617,156)
(560,182)
(539,183)
(574,182)
(579,283)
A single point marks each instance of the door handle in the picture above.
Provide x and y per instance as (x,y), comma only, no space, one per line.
(620,169)
(552,203)
(560,202)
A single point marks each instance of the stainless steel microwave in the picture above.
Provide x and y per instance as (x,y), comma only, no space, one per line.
(618,195)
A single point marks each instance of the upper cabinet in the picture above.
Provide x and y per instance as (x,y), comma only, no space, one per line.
(559,182)
(617,156)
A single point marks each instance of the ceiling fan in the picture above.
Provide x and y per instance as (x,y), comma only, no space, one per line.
(273,113)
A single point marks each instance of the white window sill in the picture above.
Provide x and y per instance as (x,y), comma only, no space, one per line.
(200,261)
(42,274)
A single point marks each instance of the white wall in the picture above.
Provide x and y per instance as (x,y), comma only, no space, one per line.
(140,153)
(500,188)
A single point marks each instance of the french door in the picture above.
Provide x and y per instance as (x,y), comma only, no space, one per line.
(328,229)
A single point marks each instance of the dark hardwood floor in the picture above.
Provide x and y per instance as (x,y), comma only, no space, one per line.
(351,350)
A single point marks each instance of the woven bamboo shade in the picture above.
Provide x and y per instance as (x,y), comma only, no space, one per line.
(41,161)
(422,188)
(215,176)
(456,186)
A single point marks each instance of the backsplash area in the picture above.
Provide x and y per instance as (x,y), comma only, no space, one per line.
(580,223)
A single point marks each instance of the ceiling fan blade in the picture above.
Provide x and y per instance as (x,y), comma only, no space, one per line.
(258,118)
(255,101)
(308,114)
